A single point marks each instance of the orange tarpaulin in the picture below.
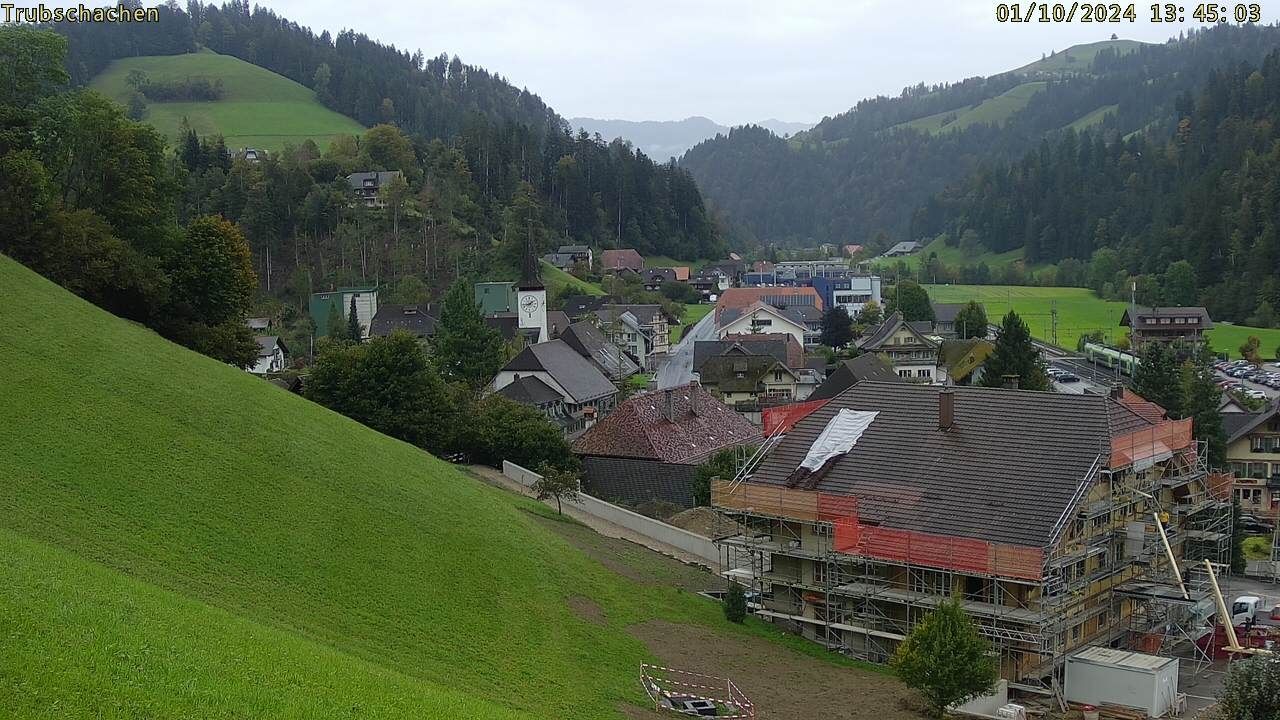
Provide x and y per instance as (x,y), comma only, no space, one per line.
(786,416)
(1152,444)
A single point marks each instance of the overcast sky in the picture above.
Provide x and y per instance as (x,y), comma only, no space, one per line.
(734,61)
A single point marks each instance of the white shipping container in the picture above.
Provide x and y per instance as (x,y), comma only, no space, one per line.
(1101,675)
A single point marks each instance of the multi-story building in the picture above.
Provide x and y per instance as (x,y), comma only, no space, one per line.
(1041,513)
(324,306)
(1186,325)
(365,186)
(908,347)
(852,292)
(1253,453)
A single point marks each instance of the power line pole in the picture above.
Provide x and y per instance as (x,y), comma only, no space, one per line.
(1053,321)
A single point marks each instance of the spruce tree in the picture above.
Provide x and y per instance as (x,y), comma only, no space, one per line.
(466,349)
(354,329)
(1015,355)
(1157,378)
(1201,395)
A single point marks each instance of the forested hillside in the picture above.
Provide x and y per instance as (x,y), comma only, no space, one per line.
(1206,192)
(481,157)
(864,175)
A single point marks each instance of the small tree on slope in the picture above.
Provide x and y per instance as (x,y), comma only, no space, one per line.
(735,603)
(945,660)
(557,484)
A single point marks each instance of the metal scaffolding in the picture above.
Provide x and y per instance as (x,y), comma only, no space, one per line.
(1104,577)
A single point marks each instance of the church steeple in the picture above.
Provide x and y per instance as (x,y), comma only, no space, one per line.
(530,277)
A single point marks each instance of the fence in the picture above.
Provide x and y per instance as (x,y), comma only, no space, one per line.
(670,535)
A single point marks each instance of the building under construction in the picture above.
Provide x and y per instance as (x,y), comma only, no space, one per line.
(1058,521)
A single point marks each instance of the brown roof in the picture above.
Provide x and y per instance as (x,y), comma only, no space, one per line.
(1198,314)
(1005,472)
(739,373)
(626,258)
(740,298)
(851,372)
(639,427)
(794,351)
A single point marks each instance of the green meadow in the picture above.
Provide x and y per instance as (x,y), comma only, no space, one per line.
(260,109)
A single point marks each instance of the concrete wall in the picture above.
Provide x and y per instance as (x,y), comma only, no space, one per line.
(678,538)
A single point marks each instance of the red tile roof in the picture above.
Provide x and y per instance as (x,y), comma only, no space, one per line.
(626,258)
(1144,408)
(744,297)
(639,428)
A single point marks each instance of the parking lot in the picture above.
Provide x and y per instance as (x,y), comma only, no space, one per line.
(1259,383)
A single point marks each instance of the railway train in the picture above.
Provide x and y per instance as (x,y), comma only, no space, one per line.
(1125,361)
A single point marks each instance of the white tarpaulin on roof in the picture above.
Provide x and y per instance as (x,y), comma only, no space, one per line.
(838,438)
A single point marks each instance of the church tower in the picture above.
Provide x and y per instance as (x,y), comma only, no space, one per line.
(531,300)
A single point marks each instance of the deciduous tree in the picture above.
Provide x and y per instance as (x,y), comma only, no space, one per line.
(971,321)
(837,328)
(910,299)
(557,484)
(945,659)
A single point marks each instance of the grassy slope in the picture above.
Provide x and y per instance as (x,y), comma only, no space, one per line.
(261,109)
(1077,58)
(1079,311)
(954,256)
(992,110)
(1092,118)
(693,312)
(555,279)
(181,539)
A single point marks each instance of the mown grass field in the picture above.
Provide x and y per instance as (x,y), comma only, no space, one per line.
(1080,311)
(692,314)
(181,539)
(1078,58)
(556,279)
(260,109)
(954,256)
(1090,119)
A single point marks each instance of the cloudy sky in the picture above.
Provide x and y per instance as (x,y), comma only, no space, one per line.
(734,61)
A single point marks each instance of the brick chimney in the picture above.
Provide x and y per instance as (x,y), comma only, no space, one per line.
(693,397)
(1010,381)
(946,408)
(668,405)
(1117,391)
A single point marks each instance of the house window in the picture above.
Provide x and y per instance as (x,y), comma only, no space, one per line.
(1164,321)
(1255,443)
(1180,321)
(819,573)
(1275,498)
(924,373)
(1104,618)
(1076,633)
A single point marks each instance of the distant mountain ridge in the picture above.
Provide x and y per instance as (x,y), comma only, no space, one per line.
(662,139)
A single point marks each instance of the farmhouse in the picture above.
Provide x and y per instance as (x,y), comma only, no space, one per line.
(1253,452)
(761,318)
(365,186)
(649,448)
(627,259)
(1165,325)
(1034,510)
(413,319)
(272,355)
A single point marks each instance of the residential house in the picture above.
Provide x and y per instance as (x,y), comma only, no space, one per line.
(590,342)
(778,297)
(913,354)
(749,382)
(251,155)
(365,186)
(642,330)
(586,394)
(273,356)
(1253,453)
(325,305)
(653,278)
(563,261)
(557,322)
(780,346)
(417,320)
(847,373)
(903,248)
(682,272)
(536,393)
(944,320)
(649,448)
(1187,325)
(627,259)
(960,361)
(258,324)
(578,307)
(731,269)
(1037,512)
(579,254)
(760,318)
(709,284)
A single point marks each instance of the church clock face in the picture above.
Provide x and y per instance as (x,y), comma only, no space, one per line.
(529,304)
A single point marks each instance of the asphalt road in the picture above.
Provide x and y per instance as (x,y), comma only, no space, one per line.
(678,369)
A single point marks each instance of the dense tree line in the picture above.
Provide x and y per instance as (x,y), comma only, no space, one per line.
(864,176)
(1190,217)
(87,199)
(481,155)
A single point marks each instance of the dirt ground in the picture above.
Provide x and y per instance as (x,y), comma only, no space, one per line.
(587,609)
(782,683)
(703,521)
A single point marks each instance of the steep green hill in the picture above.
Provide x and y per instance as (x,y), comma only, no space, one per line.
(994,110)
(260,109)
(181,539)
(1077,58)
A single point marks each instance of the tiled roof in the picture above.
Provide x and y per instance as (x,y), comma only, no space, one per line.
(1198,313)
(730,314)
(411,318)
(530,390)
(577,306)
(737,373)
(782,346)
(1005,471)
(946,312)
(1148,410)
(557,323)
(878,335)
(593,345)
(577,375)
(1237,425)
(639,428)
(637,481)
(851,372)
(777,296)
(626,258)
(267,345)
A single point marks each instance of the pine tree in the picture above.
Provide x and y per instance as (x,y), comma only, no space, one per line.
(1015,355)
(354,329)
(1200,395)
(466,349)
(945,659)
(1157,379)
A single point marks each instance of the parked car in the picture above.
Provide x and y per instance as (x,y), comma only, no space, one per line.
(1069,378)
(1254,526)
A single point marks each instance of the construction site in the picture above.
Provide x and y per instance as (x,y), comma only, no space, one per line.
(1057,523)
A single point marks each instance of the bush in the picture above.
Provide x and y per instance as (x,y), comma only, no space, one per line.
(1252,690)
(735,603)
(500,429)
(945,660)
